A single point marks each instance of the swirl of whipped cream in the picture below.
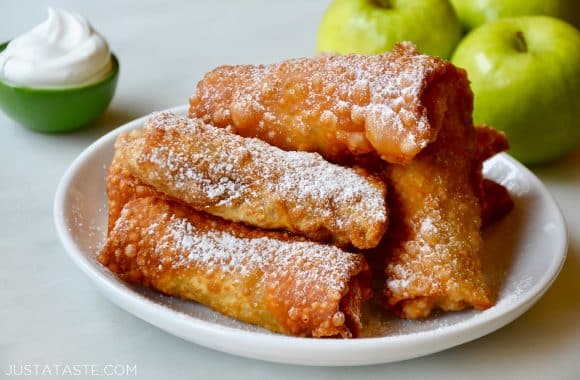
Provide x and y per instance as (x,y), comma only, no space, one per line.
(63,51)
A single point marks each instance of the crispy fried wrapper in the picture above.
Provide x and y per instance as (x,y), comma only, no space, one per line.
(272,279)
(247,180)
(123,187)
(435,239)
(389,105)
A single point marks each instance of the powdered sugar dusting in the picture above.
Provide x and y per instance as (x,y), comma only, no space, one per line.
(214,183)
(378,96)
(204,165)
(403,274)
(229,252)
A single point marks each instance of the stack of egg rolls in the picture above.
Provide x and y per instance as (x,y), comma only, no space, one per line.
(264,202)
(167,178)
(411,111)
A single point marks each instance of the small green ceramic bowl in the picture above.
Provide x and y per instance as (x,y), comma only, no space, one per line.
(58,110)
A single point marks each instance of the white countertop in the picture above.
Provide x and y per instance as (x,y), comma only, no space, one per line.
(51,314)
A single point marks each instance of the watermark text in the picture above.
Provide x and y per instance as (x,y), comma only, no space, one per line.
(70,370)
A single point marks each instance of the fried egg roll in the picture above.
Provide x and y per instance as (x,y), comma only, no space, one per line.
(272,279)
(389,106)
(435,238)
(123,187)
(247,180)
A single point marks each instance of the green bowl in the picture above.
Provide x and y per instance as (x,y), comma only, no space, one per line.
(58,110)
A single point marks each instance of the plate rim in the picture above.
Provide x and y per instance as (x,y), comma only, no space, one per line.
(303,349)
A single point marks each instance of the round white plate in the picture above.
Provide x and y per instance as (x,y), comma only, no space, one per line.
(524,253)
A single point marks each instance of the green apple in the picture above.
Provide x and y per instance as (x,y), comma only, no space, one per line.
(525,74)
(474,13)
(374,26)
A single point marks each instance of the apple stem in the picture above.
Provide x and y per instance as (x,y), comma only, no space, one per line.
(384,3)
(521,44)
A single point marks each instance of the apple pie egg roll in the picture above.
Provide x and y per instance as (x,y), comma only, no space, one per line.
(435,238)
(247,180)
(123,187)
(272,279)
(389,106)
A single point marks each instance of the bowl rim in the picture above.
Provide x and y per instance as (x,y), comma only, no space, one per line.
(113,73)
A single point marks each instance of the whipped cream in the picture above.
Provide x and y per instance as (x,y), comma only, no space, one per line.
(63,51)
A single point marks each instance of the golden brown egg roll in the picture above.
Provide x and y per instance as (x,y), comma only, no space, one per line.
(247,180)
(389,105)
(435,235)
(123,187)
(268,278)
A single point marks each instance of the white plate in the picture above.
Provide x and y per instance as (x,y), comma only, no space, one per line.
(525,251)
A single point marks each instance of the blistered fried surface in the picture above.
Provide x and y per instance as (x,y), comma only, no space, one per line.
(339,106)
(271,279)
(435,239)
(122,186)
(247,180)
